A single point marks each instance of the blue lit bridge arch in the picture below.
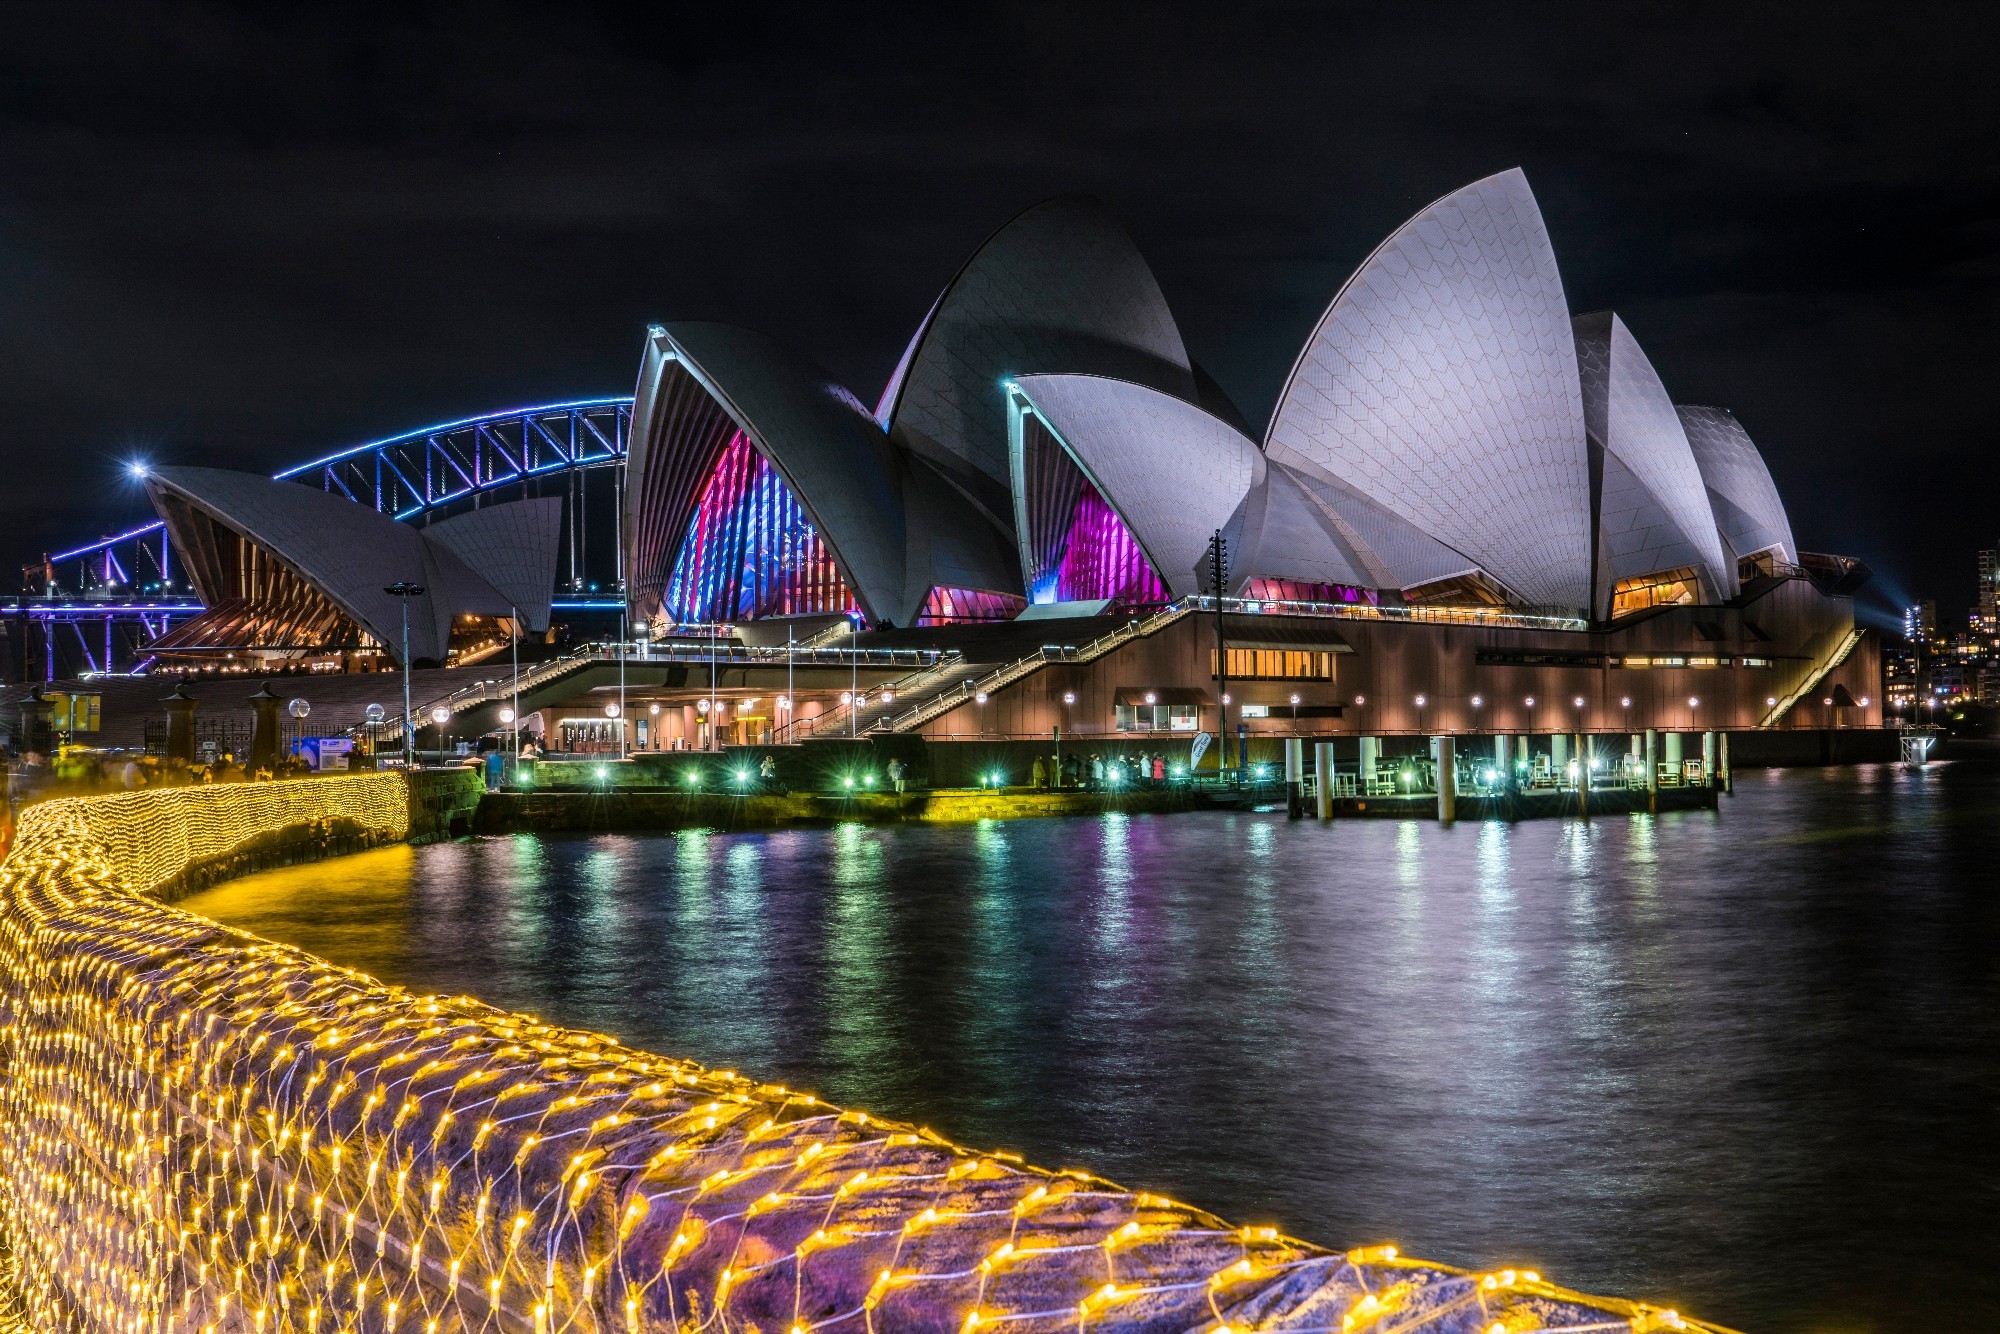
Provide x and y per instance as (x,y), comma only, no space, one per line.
(96,606)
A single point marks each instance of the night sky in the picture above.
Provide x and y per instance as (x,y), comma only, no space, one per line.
(242,239)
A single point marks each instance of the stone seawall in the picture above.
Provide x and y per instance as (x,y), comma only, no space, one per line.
(205,1131)
(627,810)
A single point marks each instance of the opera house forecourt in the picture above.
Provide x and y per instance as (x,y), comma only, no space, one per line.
(1475,519)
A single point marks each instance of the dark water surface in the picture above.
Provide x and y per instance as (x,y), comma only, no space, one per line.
(1747,1063)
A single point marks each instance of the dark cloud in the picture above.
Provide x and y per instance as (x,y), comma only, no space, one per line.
(245,236)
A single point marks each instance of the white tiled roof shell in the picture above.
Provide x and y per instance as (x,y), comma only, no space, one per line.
(513,547)
(1387,551)
(1747,506)
(347,551)
(1653,510)
(1173,473)
(821,440)
(1061,289)
(1442,383)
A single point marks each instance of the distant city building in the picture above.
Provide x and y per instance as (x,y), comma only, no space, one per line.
(1986,610)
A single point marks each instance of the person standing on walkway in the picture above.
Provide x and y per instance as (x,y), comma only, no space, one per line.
(1096,772)
(1041,774)
(896,773)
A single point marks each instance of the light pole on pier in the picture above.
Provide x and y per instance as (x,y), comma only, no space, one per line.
(403,590)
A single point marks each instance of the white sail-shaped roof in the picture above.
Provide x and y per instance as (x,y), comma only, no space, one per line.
(895,528)
(349,553)
(514,548)
(1382,549)
(1442,384)
(1747,506)
(1059,289)
(1653,509)
(1172,472)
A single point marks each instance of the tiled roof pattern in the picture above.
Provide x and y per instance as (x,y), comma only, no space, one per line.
(1442,383)
(513,547)
(1173,473)
(1747,505)
(1653,511)
(821,440)
(1060,289)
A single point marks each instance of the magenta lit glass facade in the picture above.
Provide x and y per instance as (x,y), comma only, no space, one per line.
(1079,549)
(957,606)
(1298,590)
(751,550)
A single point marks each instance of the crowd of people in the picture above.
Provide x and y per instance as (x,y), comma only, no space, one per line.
(1143,769)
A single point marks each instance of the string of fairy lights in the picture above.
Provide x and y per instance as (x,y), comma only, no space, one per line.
(203,1131)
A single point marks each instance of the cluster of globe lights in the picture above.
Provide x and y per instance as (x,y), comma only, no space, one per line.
(205,1131)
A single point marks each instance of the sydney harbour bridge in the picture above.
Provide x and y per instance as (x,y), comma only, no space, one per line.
(95,607)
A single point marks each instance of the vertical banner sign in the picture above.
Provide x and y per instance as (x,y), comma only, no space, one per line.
(1200,749)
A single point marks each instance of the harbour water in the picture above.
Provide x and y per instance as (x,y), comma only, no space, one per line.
(1745,1062)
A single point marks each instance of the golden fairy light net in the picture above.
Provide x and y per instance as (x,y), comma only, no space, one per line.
(204,1131)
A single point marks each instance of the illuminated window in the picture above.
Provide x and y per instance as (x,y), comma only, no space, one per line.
(1297,590)
(1666,588)
(1266,664)
(957,606)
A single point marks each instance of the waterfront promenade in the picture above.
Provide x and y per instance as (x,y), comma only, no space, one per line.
(208,1131)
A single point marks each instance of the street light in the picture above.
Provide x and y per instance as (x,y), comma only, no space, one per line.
(403,590)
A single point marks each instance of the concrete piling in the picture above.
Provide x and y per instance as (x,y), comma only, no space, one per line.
(1652,770)
(1323,777)
(1447,780)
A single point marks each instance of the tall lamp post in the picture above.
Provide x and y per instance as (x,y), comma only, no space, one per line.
(403,590)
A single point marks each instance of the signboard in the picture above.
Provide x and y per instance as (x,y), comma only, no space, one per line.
(326,754)
(1200,749)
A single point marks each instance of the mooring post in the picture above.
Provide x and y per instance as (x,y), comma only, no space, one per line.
(1577,741)
(1295,778)
(1722,761)
(1323,778)
(1371,751)
(1447,780)
(1652,770)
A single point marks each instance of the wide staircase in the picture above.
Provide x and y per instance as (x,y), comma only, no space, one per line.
(917,706)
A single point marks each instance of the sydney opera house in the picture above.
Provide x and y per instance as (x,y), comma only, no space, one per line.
(1472,510)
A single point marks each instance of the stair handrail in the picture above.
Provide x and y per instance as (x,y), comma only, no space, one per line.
(1813,678)
(1006,674)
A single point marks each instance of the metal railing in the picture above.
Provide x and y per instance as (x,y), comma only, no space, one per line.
(840,715)
(947,700)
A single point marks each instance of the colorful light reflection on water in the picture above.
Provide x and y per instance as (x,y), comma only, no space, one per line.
(1747,1063)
